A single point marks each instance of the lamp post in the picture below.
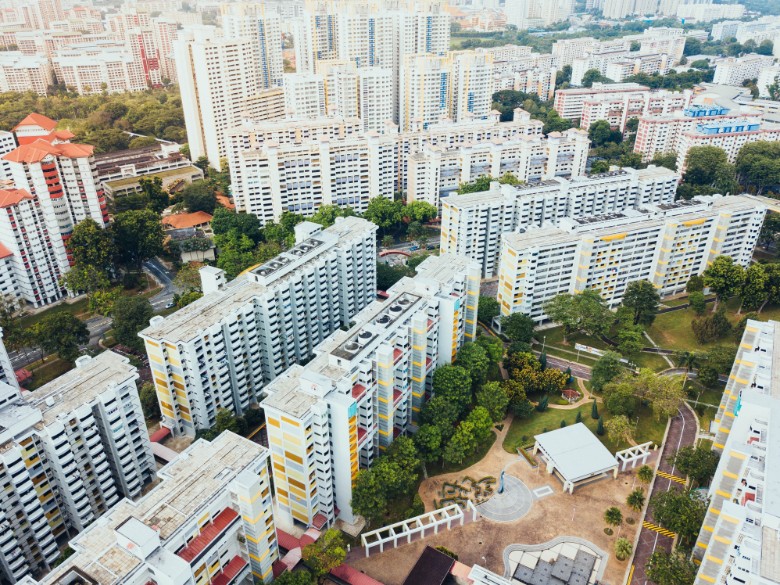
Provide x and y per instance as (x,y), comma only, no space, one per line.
(544,342)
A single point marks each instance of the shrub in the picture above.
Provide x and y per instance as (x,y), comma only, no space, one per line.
(623,548)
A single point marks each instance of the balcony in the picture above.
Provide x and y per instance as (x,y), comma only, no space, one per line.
(358,391)
(210,533)
(230,572)
(397,355)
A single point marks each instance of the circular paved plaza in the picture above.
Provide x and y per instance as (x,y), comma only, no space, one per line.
(511,505)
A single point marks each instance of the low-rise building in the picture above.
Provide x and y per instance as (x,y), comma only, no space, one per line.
(136,162)
(68,453)
(664,244)
(209,520)
(328,419)
(173,180)
(735,70)
(473,224)
(221,350)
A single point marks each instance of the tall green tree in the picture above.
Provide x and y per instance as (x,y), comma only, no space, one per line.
(421,211)
(368,497)
(443,413)
(199,196)
(643,299)
(157,197)
(91,245)
(131,314)
(758,166)
(62,333)
(246,224)
(697,463)
(755,289)
(487,309)
(606,369)
(138,236)
(493,397)
(664,568)
(681,511)
(428,441)
(600,133)
(325,554)
(461,445)
(302,577)
(384,212)
(518,327)
(473,358)
(619,429)
(326,215)
(454,384)
(585,312)
(149,403)
(725,278)
(631,340)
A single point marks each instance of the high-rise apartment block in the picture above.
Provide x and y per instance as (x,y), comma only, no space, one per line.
(220,351)
(741,529)
(569,102)
(472,225)
(68,454)
(100,66)
(328,419)
(210,520)
(19,72)
(525,14)
(664,244)
(735,70)
(703,123)
(264,30)
(619,109)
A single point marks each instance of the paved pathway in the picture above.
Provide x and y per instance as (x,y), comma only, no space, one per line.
(586,400)
(682,433)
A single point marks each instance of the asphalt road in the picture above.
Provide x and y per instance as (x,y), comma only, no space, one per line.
(165,278)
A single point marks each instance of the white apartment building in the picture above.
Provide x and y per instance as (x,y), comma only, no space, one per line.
(664,133)
(619,65)
(569,102)
(101,66)
(664,244)
(304,95)
(221,350)
(210,519)
(7,374)
(525,14)
(472,85)
(253,21)
(22,73)
(617,110)
(472,225)
(435,172)
(328,419)
(219,76)
(518,69)
(738,538)
(699,12)
(620,9)
(566,50)
(735,70)
(68,454)
(7,144)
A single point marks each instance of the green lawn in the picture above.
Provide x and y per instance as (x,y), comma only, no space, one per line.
(440,467)
(45,372)
(78,308)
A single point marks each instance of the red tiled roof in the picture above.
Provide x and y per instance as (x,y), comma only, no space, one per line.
(9,197)
(358,390)
(37,120)
(286,540)
(319,521)
(187,220)
(570,393)
(225,202)
(230,571)
(160,434)
(36,151)
(208,534)
(353,576)
(397,353)
(311,534)
(278,567)
(5,252)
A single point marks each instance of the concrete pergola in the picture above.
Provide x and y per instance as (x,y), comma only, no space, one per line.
(634,455)
(575,454)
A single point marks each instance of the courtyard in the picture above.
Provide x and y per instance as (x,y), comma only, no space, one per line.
(533,510)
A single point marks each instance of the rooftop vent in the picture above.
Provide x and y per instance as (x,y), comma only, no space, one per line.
(384,319)
(365,335)
(351,346)
(396,308)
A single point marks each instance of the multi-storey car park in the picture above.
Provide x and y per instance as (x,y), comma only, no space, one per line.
(472,224)
(364,388)
(740,538)
(665,244)
(67,454)
(210,519)
(220,351)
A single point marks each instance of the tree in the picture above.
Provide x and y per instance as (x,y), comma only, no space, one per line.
(613,516)
(91,245)
(724,278)
(585,312)
(481,423)
(711,327)
(697,302)
(492,396)
(697,463)
(88,279)
(454,384)
(62,333)
(326,215)
(631,340)
(666,395)
(474,359)
(702,164)
(695,284)
(594,410)
(578,418)
(600,133)
(461,445)
(478,185)
(188,276)
(387,275)
(247,224)
(325,554)
(606,369)
(665,159)
(755,288)
(427,439)
(681,511)
(645,474)
(758,166)
(368,499)
(294,578)
(600,427)
(155,194)
(442,413)
(592,76)
(599,166)
(199,196)
(619,396)
(518,327)
(493,346)
(384,212)
(420,211)
(149,402)
(131,314)
(623,548)
(236,253)
(138,236)
(636,499)
(673,568)
(619,429)
(643,299)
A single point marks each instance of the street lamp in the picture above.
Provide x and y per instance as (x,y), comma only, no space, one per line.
(544,342)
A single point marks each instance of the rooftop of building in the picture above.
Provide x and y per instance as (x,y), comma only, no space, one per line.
(187,220)
(35,119)
(603,88)
(576,452)
(10,197)
(188,170)
(191,480)
(35,152)
(187,322)
(91,377)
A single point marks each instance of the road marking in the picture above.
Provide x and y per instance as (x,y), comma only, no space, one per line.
(671,477)
(658,529)
(630,575)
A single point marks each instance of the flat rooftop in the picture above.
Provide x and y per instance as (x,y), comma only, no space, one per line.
(576,452)
(199,472)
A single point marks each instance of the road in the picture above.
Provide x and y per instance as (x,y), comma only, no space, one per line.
(165,278)
(577,370)
(682,433)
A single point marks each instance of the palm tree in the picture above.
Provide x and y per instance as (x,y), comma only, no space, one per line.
(636,499)
(645,474)
(613,516)
(688,360)
(623,548)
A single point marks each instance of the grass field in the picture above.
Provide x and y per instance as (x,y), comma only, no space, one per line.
(46,371)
